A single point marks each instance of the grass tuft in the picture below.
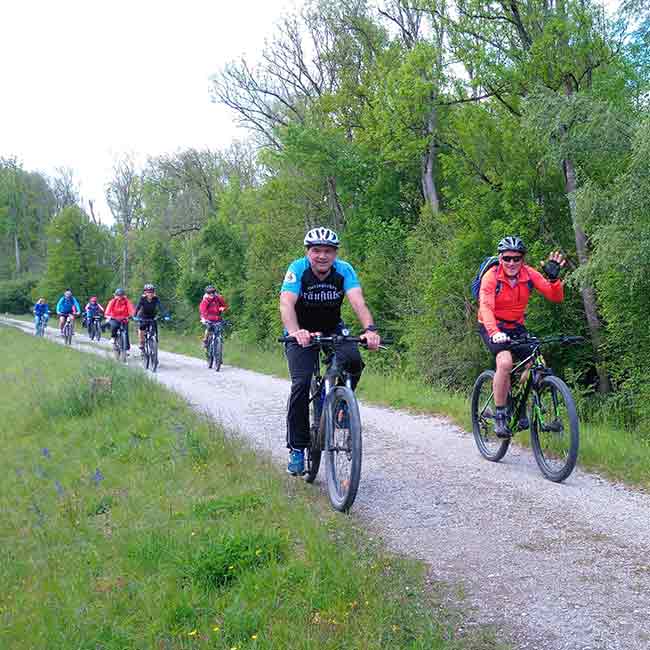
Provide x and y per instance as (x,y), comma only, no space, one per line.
(230,504)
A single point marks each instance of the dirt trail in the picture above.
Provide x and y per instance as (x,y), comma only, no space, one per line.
(555,567)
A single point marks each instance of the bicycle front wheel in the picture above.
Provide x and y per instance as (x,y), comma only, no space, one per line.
(483,412)
(153,354)
(218,353)
(314,451)
(209,351)
(145,354)
(68,334)
(554,429)
(343,448)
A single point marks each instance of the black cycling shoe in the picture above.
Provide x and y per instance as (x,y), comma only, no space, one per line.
(500,426)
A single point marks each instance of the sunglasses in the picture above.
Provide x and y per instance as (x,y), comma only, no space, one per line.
(512,258)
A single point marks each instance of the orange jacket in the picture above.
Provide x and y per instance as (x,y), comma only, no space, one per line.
(508,304)
(119,308)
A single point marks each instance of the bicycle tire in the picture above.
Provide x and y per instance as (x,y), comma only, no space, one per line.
(153,354)
(67,333)
(314,452)
(556,474)
(123,346)
(145,354)
(218,353)
(489,446)
(342,500)
(209,350)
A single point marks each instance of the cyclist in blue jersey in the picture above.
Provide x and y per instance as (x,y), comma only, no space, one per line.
(41,310)
(313,290)
(67,305)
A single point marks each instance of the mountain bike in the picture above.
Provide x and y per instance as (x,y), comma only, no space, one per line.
(214,344)
(94,328)
(150,343)
(121,344)
(68,329)
(538,399)
(335,423)
(41,326)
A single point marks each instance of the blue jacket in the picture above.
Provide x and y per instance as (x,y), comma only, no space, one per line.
(68,306)
(40,310)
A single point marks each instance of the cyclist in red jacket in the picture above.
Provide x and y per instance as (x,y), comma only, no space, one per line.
(119,310)
(211,308)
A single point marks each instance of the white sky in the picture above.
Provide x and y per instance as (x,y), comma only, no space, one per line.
(84,81)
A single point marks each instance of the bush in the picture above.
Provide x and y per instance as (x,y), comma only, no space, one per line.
(16,295)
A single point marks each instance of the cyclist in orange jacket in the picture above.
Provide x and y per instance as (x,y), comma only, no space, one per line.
(503,298)
(119,310)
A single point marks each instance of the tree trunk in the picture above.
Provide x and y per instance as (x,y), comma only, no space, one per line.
(125,259)
(428,163)
(335,203)
(17,249)
(587,292)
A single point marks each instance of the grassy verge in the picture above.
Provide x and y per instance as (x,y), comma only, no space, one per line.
(605,447)
(130,522)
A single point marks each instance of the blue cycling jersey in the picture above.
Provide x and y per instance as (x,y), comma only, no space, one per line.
(67,306)
(318,307)
(41,309)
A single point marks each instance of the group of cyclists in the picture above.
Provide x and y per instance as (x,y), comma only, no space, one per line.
(311,296)
(120,310)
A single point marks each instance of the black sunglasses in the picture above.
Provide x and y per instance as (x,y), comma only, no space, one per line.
(512,258)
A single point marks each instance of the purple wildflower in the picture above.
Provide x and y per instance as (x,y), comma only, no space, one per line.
(97,477)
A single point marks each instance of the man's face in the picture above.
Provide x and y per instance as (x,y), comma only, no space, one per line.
(321,258)
(68,294)
(148,294)
(511,261)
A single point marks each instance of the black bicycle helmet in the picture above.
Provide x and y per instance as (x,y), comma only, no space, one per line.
(119,291)
(210,289)
(511,243)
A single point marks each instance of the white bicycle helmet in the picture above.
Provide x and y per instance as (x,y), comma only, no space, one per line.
(321,237)
(511,243)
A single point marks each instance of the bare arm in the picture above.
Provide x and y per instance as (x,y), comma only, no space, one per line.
(288,301)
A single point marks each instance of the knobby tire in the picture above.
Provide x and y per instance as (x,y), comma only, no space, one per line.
(557,389)
(316,422)
(342,499)
(489,446)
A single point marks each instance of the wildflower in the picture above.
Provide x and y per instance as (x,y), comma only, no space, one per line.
(254,636)
(216,628)
(231,567)
(59,488)
(97,477)
(46,452)
(258,551)
(193,633)
(395,628)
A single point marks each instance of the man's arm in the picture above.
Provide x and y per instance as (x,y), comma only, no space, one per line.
(288,301)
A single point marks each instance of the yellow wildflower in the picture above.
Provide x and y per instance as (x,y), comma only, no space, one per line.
(193,633)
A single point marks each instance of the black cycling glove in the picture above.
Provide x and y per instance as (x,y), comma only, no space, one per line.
(551,269)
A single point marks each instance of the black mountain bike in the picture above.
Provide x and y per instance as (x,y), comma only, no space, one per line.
(95,328)
(121,344)
(538,399)
(214,344)
(68,329)
(150,349)
(335,423)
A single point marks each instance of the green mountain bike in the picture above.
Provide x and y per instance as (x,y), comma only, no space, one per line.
(538,400)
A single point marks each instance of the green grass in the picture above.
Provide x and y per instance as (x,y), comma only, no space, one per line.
(606,447)
(131,522)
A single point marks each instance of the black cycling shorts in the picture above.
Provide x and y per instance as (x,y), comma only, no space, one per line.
(519,351)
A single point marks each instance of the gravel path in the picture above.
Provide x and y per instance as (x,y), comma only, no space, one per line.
(554,567)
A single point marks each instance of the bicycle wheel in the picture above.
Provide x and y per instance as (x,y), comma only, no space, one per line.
(209,350)
(343,448)
(97,331)
(483,410)
(145,353)
(67,333)
(218,352)
(314,451)
(153,354)
(554,429)
(122,349)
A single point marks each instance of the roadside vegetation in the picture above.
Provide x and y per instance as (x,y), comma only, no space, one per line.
(131,522)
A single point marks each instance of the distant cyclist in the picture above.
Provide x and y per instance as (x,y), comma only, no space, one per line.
(148,307)
(311,296)
(67,306)
(41,312)
(118,311)
(503,297)
(92,310)
(211,309)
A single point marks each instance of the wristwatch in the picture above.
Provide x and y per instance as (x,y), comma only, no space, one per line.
(370,328)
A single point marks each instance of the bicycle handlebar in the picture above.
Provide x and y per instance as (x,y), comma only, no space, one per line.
(333,340)
(562,339)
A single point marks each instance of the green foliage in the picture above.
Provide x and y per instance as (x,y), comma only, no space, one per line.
(16,295)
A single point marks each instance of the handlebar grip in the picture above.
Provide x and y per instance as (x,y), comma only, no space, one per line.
(286,339)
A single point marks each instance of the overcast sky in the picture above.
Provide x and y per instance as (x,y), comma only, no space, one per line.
(83,81)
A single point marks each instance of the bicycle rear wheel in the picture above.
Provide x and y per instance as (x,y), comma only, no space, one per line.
(343,448)
(314,451)
(483,410)
(554,429)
